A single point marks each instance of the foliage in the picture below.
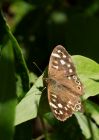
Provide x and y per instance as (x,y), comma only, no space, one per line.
(35,27)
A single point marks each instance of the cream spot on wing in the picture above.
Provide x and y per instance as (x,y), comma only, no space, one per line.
(69,102)
(77,82)
(77,107)
(70,70)
(59,51)
(56,62)
(64,56)
(65,108)
(74,77)
(54,95)
(55,112)
(56,67)
(62,62)
(53,105)
(68,65)
(60,105)
(56,55)
(69,77)
(73,108)
(54,100)
(68,106)
(60,112)
(69,60)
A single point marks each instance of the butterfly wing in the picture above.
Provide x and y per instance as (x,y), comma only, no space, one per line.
(64,87)
(60,61)
(62,69)
(62,101)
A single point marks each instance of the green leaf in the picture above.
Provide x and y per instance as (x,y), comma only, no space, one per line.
(89,129)
(93,109)
(21,68)
(28,102)
(7,93)
(19,87)
(20,9)
(32,77)
(28,107)
(88,71)
(68,128)
(3,35)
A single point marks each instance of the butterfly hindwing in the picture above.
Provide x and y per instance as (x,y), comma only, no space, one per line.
(63,104)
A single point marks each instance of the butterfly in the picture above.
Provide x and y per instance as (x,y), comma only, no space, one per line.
(64,86)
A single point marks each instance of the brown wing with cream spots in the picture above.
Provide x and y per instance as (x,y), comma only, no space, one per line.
(63,103)
(60,62)
(62,69)
(64,87)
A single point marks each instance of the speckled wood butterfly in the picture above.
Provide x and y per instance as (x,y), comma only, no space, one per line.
(64,86)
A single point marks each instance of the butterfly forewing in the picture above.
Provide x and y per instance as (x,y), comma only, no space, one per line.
(64,87)
(60,61)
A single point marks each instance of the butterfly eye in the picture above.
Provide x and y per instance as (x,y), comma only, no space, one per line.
(79,87)
(77,107)
(79,102)
(74,77)
(77,82)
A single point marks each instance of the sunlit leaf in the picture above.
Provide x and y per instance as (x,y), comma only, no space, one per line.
(7,93)
(89,129)
(88,71)
(28,107)
(92,109)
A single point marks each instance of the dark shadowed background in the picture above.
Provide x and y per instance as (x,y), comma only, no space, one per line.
(38,26)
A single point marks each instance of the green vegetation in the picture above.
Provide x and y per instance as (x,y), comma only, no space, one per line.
(29,30)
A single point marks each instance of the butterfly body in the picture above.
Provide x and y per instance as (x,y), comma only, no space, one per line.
(64,87)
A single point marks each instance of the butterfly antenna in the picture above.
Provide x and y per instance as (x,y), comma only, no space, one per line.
(37,67)
(41,91)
